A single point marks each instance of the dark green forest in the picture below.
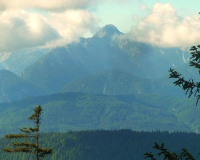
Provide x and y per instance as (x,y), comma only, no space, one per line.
(79,111)
(108,144)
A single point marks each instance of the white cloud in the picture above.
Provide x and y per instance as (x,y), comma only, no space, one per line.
(52,5)
(163,27)
(44,4)
(71,25)
(20,29)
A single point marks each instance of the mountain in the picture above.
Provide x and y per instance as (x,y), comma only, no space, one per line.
(89,56)
(51,70)
(106,50)
(111,82)
(12,87)
(17,61)
(79,111)
(108,32)
(152,60)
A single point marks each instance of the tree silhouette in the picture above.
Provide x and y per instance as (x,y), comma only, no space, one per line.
(191,88)
(29,147)
(167,155)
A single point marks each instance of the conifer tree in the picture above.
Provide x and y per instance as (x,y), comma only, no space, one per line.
(191,88)
(29,132)
(184,155)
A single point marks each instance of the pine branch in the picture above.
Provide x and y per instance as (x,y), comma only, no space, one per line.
(24,144)
(149,155)
(29,130)
(36,116)
(171,156)
(9,136)
(18,149)
(29,147)
(186,154)
(189,86)
(44,151)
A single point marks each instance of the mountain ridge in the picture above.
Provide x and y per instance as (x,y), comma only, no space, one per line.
(13,87)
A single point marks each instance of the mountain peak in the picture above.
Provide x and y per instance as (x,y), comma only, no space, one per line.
(108,31)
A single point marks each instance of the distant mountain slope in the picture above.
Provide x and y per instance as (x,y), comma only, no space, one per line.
(164,85)
(106,50)
(153,60)
(17,61)
(64,64)
(12,87)
(111,82)
(78,111)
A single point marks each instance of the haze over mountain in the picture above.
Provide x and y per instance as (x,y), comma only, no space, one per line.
(110,82)
(106,50)
(113,82)
(13,87)
(106,64)
(17,61)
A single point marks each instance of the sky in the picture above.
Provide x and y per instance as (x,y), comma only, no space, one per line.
(50,23)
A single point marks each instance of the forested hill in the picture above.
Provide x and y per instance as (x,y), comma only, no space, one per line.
(79,111)
(108,145)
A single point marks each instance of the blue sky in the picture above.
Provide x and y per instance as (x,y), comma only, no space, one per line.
(50,23)
(122,14)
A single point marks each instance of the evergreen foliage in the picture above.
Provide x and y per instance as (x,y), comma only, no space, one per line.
(26,146)
(78,111)
(191,87)
(171,156)
(107,145)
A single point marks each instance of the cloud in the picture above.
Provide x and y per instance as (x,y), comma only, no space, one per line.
(71,25)
(42,23)
(163,27)
(53,5)
(20,29)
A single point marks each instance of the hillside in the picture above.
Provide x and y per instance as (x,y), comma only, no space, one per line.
(113,82)
(64,64)
(106,50)
(13,87)
(17,61)
(78,111)
(108,145)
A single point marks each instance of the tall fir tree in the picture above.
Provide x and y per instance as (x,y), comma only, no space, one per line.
(29,132)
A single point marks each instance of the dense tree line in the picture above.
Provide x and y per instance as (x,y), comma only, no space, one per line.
(108,145)
(78,111)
